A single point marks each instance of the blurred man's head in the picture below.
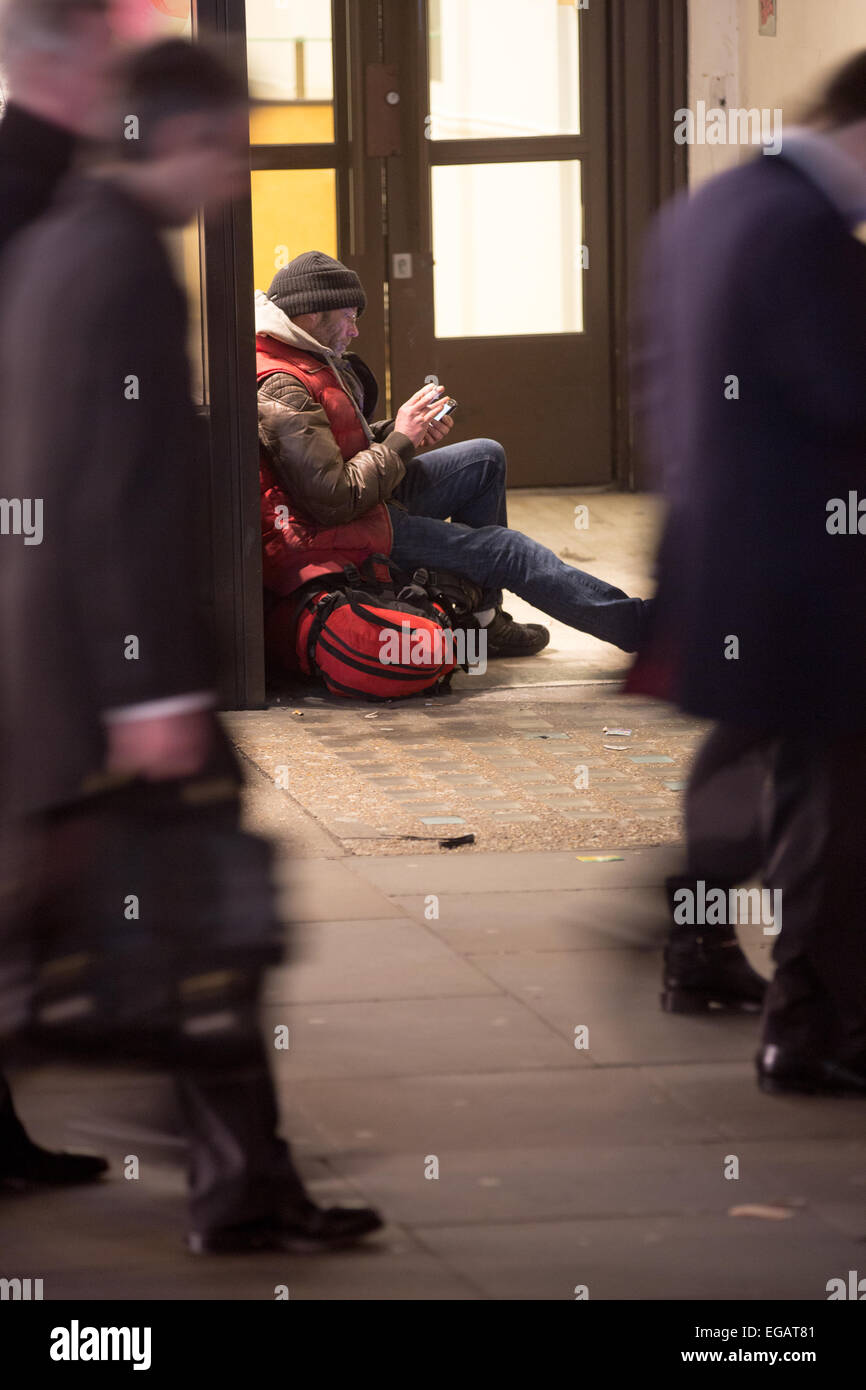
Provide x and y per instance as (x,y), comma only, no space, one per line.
(57,59)
(322,296)
(185,128)
(841,109)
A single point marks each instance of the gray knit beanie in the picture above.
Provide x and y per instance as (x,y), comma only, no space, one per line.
(314,282)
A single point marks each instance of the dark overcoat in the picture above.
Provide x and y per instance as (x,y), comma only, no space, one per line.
(752,383)
(97,427)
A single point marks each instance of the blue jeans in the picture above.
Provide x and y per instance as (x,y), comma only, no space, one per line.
(466,482)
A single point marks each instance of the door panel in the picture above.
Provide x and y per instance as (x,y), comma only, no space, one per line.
(485,85)
(474,295)
(497,217)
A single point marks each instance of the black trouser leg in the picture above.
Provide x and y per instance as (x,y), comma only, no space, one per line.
(816,1003)
(725,805)
(13,1135)
(725,829)
(239,1169)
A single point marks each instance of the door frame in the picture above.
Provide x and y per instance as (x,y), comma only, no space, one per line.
(229,422)
(647,168)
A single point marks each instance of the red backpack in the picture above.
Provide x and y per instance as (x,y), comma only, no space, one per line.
(382,641)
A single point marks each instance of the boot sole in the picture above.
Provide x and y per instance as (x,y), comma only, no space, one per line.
(773,1086)
(290,1245)
(684,1001)
(298,1244)
(504,655)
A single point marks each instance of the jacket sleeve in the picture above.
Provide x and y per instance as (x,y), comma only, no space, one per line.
(307,461)
(381,430)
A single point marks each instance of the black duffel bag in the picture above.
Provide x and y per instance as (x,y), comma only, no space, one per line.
(135,925)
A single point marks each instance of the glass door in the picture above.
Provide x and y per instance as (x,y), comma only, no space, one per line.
(498,226)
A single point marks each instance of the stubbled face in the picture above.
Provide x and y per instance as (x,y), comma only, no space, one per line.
(336,328)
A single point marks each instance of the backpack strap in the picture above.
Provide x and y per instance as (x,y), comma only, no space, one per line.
(369,566)
(321,609)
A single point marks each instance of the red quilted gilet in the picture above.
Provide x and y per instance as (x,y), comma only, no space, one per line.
(294,548)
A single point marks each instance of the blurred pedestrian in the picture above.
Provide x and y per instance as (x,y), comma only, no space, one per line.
(754,379)
(56,58)
(117,769)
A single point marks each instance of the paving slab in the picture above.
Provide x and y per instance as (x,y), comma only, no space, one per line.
(394,1038)
(826,1179)
(648,1258)
(569,1107)
(614,994)
(129,1246)
(372,960)
(726,1095)
(567,920)
(647,866)
(328,890)
(515,1185)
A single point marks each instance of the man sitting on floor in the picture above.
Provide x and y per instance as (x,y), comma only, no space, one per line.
(337,489)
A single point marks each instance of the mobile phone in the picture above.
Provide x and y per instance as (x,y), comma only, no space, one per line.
(448,409)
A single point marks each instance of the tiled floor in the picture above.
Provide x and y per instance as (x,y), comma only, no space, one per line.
(516,775)
(433,1001)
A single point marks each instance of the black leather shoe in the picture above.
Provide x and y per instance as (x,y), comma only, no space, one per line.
(787,1073)
(505,637)
(705,969)
(319,1229)
(35,1167)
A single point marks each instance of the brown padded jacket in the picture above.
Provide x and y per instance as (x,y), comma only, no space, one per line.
(304,454)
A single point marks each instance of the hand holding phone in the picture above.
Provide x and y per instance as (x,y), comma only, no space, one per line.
(418,412)
(448,409)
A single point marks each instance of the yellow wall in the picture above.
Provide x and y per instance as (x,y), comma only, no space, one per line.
(294,210)
(295,123)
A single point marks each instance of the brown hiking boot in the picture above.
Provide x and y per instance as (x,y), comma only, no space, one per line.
(505,637)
